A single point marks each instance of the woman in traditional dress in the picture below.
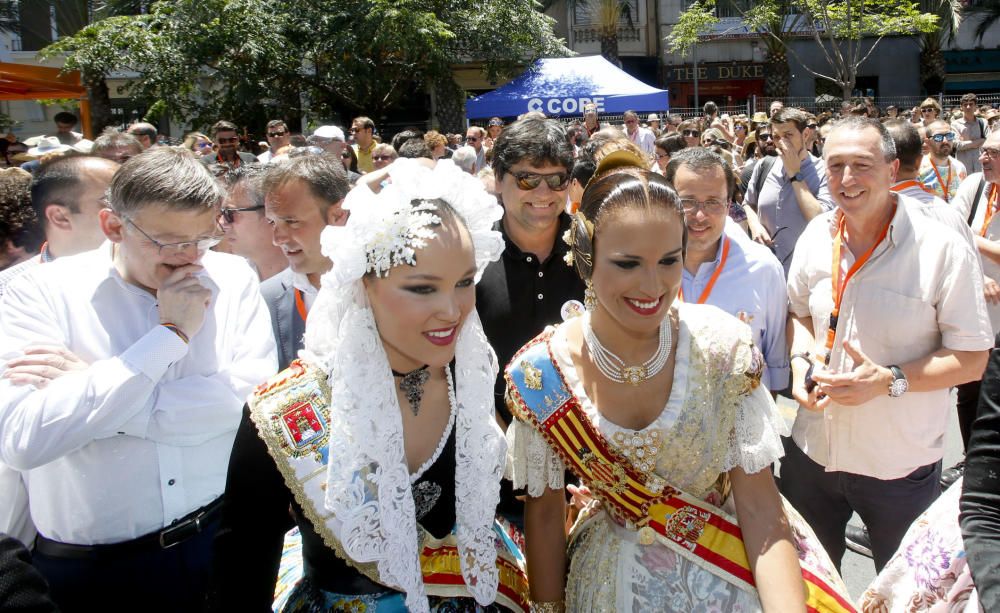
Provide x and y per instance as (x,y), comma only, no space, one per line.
(382,438)
(656,406)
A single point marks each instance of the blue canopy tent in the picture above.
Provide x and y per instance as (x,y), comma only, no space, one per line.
(562,86)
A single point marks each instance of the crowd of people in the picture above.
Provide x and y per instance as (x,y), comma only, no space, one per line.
(536,369)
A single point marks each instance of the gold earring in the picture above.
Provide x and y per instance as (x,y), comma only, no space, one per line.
(589,297)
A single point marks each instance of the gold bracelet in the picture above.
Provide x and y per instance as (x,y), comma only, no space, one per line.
(552,606)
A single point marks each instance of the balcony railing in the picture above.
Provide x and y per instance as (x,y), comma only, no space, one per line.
(592,34)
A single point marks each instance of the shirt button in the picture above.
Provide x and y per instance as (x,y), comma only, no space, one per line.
(540,296)
(171,482)
(529,259)
(541,274)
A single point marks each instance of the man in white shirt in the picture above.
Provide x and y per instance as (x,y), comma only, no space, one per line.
(278,137)
(642,137)
(940,172)
(883,335)
(125,372)
(67,195)
(722,266)
(301,197)
(976,203)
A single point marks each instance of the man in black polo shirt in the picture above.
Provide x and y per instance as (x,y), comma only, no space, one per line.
(525,289)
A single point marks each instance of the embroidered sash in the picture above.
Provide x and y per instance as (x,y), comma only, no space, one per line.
(644,502)
(292,415)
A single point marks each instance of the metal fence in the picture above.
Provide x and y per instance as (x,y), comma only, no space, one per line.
(813,105)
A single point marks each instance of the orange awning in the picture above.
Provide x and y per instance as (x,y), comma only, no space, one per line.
(29,82)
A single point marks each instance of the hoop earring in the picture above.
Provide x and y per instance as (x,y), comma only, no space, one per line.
(589,297)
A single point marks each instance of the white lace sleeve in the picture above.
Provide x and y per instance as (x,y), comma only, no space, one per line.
(531,463)
(755,441)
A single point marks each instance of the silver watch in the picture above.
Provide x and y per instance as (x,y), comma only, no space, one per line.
(899,383)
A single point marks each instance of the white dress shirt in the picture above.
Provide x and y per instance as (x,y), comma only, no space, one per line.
(644,138)
(750,287)
(309,291)
(917,294)
(142,436)
(962,202)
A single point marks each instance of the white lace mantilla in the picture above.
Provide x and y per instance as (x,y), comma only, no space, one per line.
(368,493)
(706,427)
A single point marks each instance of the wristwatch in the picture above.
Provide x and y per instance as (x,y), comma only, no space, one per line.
(899,383)
(798,177)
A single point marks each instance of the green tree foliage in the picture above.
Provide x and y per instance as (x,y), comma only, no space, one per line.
(847,31)
(199,60)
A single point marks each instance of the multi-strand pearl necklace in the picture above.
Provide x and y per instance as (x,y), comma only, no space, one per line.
(614,368)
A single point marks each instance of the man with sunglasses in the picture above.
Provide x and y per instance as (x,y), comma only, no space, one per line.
(640,136)
(125,370)
(242,219)
(939,172)
(525,290)
(972,132)
(278,137)
(474,138)
(793,189)
(227,154)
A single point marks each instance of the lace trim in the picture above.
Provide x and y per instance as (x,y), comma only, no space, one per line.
(415,476)
(531,463)
(755,441)
(368,490)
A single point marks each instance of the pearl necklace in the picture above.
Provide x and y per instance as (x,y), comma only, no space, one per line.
(614,368)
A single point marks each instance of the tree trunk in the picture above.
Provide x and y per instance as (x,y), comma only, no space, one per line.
(932,70)
(609,47)
(449,101)
(100,102)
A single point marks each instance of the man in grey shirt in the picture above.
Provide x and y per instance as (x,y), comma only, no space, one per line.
(793,191)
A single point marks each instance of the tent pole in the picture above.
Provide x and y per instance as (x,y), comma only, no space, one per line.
(88,130)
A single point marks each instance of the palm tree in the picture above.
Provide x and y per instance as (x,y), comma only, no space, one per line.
(932,44)
(988,12)
(605,16)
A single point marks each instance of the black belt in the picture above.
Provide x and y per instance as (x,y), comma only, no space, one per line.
(176,533)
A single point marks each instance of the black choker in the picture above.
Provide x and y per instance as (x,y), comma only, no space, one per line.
(413,385)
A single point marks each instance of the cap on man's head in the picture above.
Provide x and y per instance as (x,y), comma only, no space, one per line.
(329,133)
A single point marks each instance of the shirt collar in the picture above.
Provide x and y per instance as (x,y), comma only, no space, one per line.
(559,248)
(301,283)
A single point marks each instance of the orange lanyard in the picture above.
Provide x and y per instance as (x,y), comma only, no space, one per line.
(838,285)
(300,304)
(909,184)
(705,293)
(944,186)
(991,207)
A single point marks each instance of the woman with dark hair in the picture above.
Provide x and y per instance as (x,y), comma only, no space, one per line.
(350,159)
(655,404)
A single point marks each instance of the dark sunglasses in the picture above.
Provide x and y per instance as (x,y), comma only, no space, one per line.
(380,158)
(530,180)
(229,214)
(472,139)
(948,136)
(276,134)
(764,136)
(692,133)
(929,109)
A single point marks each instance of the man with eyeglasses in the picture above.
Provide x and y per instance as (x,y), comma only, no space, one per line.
(939,172)
(242,219)
(972,132)
(525,289)
(976,201)
(278,137)
(640,136)
(124,373)
(793,188)
(227,154)
(721,266)
(474,137)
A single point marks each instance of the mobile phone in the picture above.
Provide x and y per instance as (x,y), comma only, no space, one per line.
(810,383)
